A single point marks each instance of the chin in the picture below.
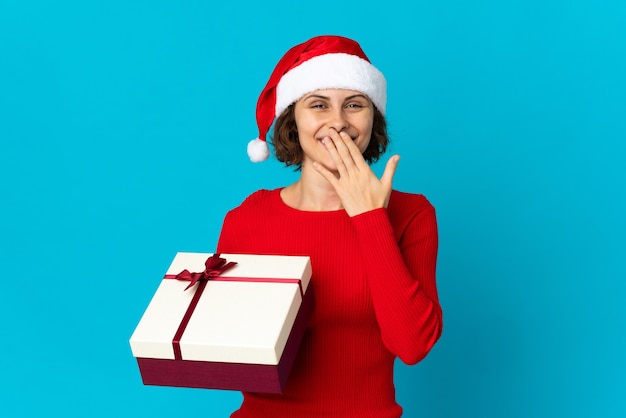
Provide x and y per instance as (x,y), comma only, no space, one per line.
(329,166)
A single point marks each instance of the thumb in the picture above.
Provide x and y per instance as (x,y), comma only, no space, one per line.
(390,170)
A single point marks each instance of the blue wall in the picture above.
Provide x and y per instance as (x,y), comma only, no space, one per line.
(123,127)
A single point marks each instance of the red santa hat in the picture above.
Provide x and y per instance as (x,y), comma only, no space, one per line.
(323,62)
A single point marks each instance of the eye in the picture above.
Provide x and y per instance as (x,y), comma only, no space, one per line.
(317,105)
(355,105)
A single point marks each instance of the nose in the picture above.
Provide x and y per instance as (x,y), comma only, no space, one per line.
(339,121)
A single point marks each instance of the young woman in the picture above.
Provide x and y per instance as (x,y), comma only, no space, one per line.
(373,250)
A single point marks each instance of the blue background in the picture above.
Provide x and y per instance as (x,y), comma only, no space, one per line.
(123,127)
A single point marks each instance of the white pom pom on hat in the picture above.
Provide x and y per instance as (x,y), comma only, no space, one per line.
(322,62)
(258,150)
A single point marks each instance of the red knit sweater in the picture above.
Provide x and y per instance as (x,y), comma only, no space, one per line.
(375,300)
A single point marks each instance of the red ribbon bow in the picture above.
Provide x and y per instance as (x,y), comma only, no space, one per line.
(214,266)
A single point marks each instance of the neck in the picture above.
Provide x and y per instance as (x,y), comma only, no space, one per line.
(312,192)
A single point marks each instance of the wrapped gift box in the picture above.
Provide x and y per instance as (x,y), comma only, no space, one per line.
(238,331)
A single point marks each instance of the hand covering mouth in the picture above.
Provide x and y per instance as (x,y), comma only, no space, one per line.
(328,136)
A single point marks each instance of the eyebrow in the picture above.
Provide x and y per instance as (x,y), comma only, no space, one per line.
(317,96)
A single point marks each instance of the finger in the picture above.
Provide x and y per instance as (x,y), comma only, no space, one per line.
(355,152)
(390,170)
(341,157)
(339,140)
(331,146)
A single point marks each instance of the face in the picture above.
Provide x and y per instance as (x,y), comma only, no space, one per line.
(322,110)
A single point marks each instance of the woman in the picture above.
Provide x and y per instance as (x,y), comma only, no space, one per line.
(373,250)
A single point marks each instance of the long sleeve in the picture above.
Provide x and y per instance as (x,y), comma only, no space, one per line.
(401,268)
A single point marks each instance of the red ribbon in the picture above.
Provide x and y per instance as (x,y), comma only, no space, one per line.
(214,266)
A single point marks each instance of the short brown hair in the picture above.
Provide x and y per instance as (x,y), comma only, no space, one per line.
(287,144)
